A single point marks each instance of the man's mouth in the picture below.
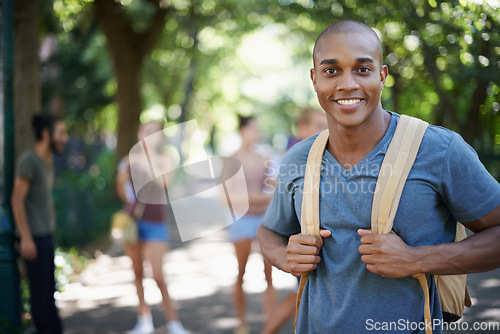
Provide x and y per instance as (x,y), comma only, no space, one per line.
(348,102)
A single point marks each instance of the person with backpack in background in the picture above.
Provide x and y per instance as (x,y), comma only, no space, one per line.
(359,282)
(33,211)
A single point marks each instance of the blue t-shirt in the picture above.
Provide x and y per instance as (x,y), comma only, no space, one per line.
(447,184)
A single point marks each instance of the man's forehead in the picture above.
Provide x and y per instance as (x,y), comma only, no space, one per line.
(367,45)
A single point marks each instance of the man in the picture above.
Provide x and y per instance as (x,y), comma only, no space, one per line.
(34,216)
(362,279)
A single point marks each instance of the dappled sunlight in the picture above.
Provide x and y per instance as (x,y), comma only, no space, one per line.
(201,271)
(484,289)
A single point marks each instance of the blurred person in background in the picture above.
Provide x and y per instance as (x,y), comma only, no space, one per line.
(33,211)
(309,122)
(244,231)
(153,237)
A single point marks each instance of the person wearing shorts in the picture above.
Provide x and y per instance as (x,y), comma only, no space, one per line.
(243,232)
(152,244)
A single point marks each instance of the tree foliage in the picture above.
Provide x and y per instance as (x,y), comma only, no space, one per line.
(211,59)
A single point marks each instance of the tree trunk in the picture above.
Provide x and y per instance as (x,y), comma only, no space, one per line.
(128,49)
(27,96)
(193,33)
(128,75)
(471,128)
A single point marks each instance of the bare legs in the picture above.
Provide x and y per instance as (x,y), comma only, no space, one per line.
(282,313)
(242,249)
(152,251)
(134,251)
(269,300)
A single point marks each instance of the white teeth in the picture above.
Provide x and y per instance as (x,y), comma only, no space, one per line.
(348,102)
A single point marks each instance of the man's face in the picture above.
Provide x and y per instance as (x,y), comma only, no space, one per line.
(59,138)
(348,77)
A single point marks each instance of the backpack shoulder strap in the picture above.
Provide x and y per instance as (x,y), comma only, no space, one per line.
(394,171)
(309,216)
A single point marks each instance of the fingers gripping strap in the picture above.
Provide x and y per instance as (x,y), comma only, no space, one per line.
(309,217)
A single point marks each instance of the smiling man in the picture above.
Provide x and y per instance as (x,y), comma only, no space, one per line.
(357,280)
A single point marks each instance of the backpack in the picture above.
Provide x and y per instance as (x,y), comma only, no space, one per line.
(394,171)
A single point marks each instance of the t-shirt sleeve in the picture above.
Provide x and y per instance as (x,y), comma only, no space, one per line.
(281,215)
(25,167)
(468,189)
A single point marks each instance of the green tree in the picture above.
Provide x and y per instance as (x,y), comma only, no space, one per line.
(129,43)
(442,56)
(27,96)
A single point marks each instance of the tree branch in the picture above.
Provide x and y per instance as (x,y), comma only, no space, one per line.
(147,39)
(115,25)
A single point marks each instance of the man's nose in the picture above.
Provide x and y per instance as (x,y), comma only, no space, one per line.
(347,82)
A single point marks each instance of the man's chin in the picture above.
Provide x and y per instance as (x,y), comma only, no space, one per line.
(351,120)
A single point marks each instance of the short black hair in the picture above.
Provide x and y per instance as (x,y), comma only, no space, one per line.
(348,26)
(41,122)
(244,121)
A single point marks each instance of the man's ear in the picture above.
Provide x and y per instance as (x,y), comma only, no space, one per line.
(384,72)
(313,78)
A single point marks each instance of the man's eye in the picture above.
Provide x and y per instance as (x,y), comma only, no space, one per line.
(330,71)
(364,69)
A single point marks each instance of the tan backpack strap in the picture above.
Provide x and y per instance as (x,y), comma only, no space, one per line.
(309,217)
(394,171)
(427,306)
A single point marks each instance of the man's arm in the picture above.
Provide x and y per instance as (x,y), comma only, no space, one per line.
(296,255)
(19,193)
(388,255)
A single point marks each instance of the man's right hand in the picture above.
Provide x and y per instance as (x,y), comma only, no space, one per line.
(302,252)
(28,249)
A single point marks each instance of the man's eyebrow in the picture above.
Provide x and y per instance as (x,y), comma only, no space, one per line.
(331,61)
(328,61)
(365,60)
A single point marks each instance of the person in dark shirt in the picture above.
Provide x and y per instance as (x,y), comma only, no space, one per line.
(34,217)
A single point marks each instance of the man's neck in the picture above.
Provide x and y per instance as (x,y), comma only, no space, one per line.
(351,145)
(43,150)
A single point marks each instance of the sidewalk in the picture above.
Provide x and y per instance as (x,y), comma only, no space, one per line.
(200,274)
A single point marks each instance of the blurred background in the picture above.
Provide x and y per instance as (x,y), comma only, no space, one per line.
(107,65)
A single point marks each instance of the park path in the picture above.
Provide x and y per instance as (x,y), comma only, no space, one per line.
(200,274)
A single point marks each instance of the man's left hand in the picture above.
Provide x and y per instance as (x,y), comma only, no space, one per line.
(387,254)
